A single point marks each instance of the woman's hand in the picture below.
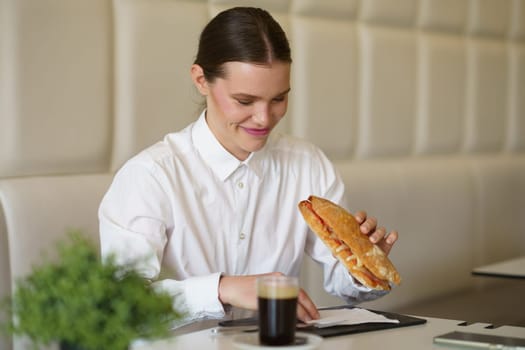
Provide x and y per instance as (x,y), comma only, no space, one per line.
(377,235)
(241,291)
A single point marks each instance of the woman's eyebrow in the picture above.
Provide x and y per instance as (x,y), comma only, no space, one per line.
(244,95)
(284,92)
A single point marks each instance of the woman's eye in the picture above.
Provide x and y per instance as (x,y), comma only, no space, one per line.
(278,99)
(244,102)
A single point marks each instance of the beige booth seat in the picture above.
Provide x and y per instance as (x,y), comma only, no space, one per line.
(38,211)
(420,103)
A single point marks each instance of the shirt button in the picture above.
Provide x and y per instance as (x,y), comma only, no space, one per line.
(242,236)
(240,185)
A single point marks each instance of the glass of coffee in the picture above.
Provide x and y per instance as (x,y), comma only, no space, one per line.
(277,304)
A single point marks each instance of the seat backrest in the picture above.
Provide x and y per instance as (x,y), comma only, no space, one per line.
(38,212)
(5,276)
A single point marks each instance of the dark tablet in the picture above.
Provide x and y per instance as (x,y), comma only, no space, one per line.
(404,321)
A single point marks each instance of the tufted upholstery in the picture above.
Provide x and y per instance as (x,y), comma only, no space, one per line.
(421,104)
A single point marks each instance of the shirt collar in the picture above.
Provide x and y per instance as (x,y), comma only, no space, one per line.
(221,162)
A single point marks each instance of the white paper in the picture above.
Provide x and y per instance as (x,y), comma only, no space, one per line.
(339,317)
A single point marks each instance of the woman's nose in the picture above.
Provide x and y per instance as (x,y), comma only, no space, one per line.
(262,116)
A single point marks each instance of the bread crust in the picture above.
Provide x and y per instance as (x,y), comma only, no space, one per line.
(363,259)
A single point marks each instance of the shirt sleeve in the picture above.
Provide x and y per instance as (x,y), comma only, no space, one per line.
(134,217)
(195,297)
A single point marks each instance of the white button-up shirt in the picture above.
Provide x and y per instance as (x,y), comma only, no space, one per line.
(186,211)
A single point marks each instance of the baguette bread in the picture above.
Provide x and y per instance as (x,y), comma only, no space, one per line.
(339,231)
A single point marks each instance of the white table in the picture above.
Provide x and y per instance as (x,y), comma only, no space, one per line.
(513,268)
(418,337)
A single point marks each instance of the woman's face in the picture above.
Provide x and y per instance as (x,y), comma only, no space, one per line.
(245,105)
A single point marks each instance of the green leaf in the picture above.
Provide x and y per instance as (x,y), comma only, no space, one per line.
(82,301)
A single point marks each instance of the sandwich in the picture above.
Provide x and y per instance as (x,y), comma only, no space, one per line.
(340,232)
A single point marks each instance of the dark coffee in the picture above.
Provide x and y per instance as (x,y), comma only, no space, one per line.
(273,329)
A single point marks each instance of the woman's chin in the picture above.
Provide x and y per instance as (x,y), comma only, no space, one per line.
(257,146)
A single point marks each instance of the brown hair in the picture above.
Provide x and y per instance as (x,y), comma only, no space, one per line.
(241,34)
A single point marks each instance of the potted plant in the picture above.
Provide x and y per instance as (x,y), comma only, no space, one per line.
(83,303)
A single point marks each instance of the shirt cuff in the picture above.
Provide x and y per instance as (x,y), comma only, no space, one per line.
(361,291)
(195,297)
(201,294)
(358,285)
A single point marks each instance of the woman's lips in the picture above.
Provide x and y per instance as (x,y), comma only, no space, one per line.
(257,132)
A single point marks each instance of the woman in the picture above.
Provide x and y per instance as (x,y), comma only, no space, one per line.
(213,206)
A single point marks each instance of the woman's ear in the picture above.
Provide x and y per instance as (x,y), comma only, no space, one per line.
(197,76)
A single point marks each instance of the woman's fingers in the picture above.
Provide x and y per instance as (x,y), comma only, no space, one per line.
(388,242)
(306,309)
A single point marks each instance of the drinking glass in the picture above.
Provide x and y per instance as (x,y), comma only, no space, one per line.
(277,305)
